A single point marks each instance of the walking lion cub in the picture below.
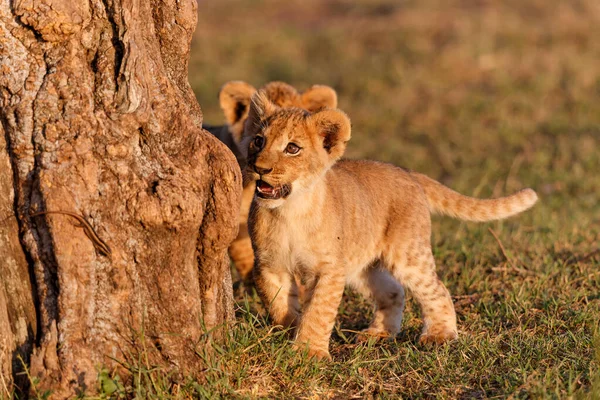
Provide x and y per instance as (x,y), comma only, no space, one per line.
(335,223)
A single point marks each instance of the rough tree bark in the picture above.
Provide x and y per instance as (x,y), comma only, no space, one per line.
(98,119)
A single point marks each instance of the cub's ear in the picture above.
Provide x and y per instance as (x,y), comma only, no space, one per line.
(234,99)
(333,126)
(281,94)
(261,106)
(318,97)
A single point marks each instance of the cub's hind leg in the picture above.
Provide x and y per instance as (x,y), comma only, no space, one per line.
(416,271)
(279,294)
(240,251)
(388,295)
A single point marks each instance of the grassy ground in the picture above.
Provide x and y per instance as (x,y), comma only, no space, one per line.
(488,96)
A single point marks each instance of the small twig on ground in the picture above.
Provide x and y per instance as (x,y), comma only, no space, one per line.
(501,247)
(512,266)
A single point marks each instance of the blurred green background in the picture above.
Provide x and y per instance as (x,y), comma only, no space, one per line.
(489,97)
(473,88)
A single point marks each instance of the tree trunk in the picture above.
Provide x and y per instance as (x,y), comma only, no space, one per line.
(98,120)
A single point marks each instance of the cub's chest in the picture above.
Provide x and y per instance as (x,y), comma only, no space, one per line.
(296,242)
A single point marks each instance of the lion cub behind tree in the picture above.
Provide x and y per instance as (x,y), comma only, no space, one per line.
(362,223)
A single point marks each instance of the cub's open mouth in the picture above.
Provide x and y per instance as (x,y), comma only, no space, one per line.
(266,191)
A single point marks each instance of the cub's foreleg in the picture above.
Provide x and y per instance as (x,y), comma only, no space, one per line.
(320,312)
(279,294)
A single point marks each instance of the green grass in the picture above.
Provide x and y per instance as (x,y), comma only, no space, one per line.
(487,96)
(507,347)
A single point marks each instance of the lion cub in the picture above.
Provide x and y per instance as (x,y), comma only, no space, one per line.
(234,99)
(362,223)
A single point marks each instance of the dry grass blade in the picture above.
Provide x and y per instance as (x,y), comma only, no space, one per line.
(508,259)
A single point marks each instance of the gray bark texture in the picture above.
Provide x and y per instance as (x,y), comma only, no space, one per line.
(98,119)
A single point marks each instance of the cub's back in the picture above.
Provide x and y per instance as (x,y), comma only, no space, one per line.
(372,195)
(379,182)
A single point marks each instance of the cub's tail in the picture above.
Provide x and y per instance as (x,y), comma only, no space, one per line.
(443,200)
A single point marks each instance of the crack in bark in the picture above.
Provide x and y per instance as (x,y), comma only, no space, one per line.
(95,70)
(118,44)
(47,262)
(22,353)
(23,350)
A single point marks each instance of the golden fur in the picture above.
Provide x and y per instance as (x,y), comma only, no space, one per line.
(234,99)
(362,223)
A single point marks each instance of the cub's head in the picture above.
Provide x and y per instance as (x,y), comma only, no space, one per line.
(235,96)
(290,149)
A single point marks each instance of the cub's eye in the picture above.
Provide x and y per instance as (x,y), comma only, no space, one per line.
(292,148)
(259,141)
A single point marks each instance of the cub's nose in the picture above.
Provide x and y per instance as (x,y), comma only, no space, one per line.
(262,171)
